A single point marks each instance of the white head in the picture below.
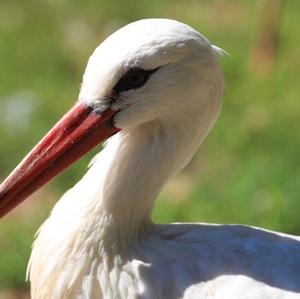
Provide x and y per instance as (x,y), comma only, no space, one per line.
(159,80)
(186,77)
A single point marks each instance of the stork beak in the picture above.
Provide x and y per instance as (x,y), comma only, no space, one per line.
(79,130)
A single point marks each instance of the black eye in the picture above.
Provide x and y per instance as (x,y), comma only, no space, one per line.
(133,79)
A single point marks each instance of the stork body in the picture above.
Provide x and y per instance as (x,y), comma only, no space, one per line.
(161,84)
(109,248)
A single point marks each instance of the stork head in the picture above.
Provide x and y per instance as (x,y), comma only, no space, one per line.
(150,70)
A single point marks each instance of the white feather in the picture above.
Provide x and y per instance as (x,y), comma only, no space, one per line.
(99,241)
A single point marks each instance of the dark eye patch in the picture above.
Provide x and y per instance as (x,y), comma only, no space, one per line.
(134,78)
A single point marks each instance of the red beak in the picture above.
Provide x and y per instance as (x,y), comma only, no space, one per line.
(81,129)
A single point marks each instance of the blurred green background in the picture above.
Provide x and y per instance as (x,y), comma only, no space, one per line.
(247,171)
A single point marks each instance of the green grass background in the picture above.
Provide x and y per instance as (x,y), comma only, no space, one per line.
(247,171)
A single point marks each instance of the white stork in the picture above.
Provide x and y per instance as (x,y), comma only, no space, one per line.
(157,85)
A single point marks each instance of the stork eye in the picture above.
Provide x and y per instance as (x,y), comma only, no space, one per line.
(133,79)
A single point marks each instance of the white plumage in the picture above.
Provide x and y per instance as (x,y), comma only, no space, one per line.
(100,242)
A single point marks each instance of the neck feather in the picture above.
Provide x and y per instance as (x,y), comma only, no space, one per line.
(127,176)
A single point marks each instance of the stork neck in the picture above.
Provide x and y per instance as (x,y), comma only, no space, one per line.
(131,170)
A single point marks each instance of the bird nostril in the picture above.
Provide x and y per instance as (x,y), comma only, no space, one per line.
(99,109)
